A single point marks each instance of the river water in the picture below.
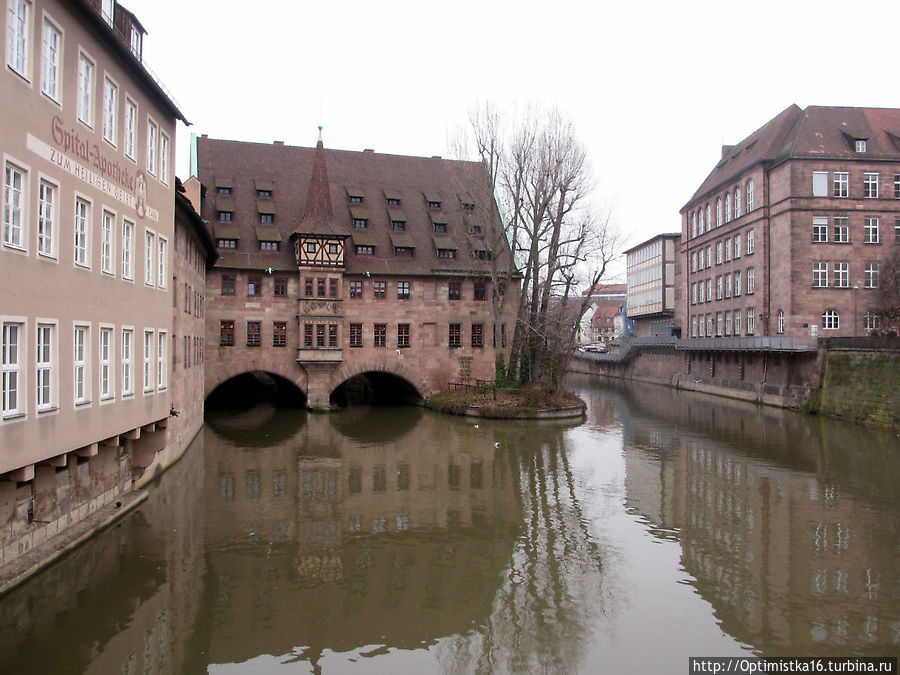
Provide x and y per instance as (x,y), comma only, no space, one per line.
(663,525)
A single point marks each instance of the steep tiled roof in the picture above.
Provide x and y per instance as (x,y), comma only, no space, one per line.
(303,204)
(817,132)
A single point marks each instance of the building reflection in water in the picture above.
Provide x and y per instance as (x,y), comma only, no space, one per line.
(787,523)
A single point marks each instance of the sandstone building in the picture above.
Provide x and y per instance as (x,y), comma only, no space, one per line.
(85,264)
(336,264)
(790,232)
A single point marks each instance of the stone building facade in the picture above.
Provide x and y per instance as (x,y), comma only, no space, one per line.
(336,264)
(85,264)
(791,231)
(650,278)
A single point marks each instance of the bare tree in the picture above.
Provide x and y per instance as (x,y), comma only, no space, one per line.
(887,297)
(541,176)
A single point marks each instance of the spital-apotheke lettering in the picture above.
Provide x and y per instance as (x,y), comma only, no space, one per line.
(71,143)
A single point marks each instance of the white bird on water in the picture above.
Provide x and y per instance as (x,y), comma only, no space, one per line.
(497,444)
(475,426)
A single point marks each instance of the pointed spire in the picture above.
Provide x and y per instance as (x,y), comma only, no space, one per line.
(318,215)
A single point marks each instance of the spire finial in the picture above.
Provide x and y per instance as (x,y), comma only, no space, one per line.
(320,133)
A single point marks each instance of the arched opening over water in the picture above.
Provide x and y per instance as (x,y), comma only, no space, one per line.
(375,388)
(248,389)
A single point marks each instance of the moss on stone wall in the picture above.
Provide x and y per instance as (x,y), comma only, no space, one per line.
(863,386)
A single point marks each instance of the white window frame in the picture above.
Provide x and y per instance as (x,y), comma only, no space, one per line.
(12,356)
(820,274)
(163,157)
(718,212)
(107,15)
(51,60)
(819,183)
(105,370)
(107,242)
(860,145)
(840,184)
(751,241)
(709,295)
(749,195)
(45,384)
(871,275)
(751,320)
(127,361)
(693,224)
(147,370)
(15,214)
(162,262)
(870,231)
(87,69)
(737,283)
(162,380)
(842,274)
(727,207)
(736,315)
(728,249)
(708,218)
(129,140)
(128,229)
(841,229)
(81,355)
(870,185)
(149,253)
(719,251)
(779,322)
(152,132)
(18,37)
(81,246)
(110,110)
(47,217)
(751,280)
(737,202)
(728,285)
(820,229)
(831,319)
(737,246)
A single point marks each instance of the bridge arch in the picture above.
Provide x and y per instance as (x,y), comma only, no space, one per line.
(419,386)
(224,370)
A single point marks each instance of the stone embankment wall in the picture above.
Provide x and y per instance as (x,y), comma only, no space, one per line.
(862,386)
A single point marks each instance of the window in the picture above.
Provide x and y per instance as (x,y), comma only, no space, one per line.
(307,335)
(18,31)
(402,335)
(840,185)
(870,231)
(254,329)
(398,225)
(736,314)
(51,46)
(82,223)
(379,290)
(356,289)
(871,278)
(440,228)
(737,246)
(356,335)
(871,321)
(446,253)
(708,218)
(701,293)
(820,183)
(478,335)
(332,288)
(365,250)
(379,334)
(842,275)
(709,325)
(820,230)
(454,337)
(694,261)
(224,216)
(130,127)
(360,223)
(308,286)
(85,90)
(727,207)
(693,224)
(127,363)
(702,327)
(751,280)
(226,333)
(106,385)
(694,326)
(164,158)
(720,323)
(897,230)
(279,333)
(320,335)
(718,253)
(80,364)
(719,212)
(737,202)
(709,295)
(897,186)
(434,205)
(161,363)
(751,237)
(332,335)
(148,361)
(107,227)
(751,320)
(46,219)
(480,291)
(228,284)
(700,259)
(693,294)
(728,249)
(870,185)
(831,319)
(151,147)
(737,283)
(44,359)
(727,285)
(320,288)
(254,285)
(820,274)
(266,219)
(860,146)
(13,206)
(403,290)
(110,108)
(720,287)
(780,321)
(280,289)
(841,229)
(392,201)
(12,363)
(403,251)
(263,194)
(709,258)
(149,250)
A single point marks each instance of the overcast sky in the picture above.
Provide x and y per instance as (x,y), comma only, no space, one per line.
(654,88)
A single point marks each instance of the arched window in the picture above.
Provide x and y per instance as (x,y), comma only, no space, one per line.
(780,321)
(708,218)
(727,207)
(737,202)
(719,212)
(749,195)
(693,224)
(831,320)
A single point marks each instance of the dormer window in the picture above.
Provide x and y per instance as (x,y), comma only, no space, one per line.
(392,201)
(137,39)
(263,194)
(860,145)
(466,201)
(360,223)
(356,199)
(310,247)
(266,218)
(433,200)
(226,243)
(403,251)
(440,228)
(392,198)
(365,250)
(222,190)
(225,216)
(446,253)
(398,225)
(355,195)
(434,205)
(106,9)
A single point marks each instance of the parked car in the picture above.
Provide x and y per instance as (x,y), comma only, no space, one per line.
(595,349)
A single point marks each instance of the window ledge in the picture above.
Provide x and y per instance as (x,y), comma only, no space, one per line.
(14,416)
(52,409)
